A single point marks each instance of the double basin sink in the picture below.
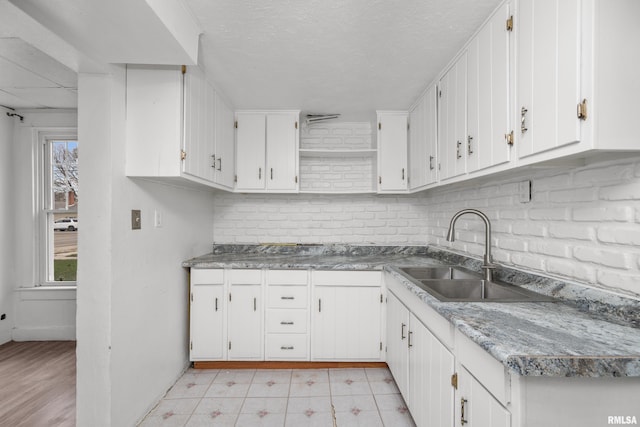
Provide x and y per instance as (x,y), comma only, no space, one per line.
(451,284)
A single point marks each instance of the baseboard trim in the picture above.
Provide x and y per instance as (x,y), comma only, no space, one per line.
(61,333)
(283,365)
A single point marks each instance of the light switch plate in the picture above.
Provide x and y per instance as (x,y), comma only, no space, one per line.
(136,219)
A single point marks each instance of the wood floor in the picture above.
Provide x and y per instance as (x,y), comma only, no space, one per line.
(38,384)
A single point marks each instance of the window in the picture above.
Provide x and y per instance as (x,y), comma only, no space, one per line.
(59,209)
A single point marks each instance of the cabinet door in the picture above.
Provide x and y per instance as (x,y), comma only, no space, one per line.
(397,349)
(198,141)
(207,322)
(430,132)
(548,67)
(430,368)
(250,151)
(282,151)
(488,94)
(224,152)
(475,407)
(418,145)
(392,152)
(245,322)
(346,323)
(452,128)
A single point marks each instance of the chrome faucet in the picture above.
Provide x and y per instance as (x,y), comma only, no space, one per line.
(488,265)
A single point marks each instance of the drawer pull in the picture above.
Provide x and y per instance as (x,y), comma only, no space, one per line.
(286,348)
(287,297)
(286,323)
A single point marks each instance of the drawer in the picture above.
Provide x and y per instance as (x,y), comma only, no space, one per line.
(287,296)
(351,278)
(207,276)
(287,321)
(245,277)
(287,346)
(287,277)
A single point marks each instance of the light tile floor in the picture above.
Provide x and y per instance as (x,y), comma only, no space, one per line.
(282,397)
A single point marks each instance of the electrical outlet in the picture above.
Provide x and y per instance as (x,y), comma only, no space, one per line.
(136,219)
(524,191)
(157,219)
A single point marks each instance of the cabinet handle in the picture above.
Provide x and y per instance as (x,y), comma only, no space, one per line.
(286,323)
(458,155)
(319,305)
(403,174)
(216,304)
(213,157)
(287,297)
(409,339)
(286,348)
(523,123)
(463,401)
(271,173)
(431,163)
(402,331)
(254,304)
(219,164)
(469,150)
(259,173)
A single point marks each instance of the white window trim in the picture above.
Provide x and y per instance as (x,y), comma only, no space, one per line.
(43,241)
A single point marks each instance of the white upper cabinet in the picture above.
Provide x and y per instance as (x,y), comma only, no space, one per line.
(423,140)
(488,94)
(267,145)
(392,151)
(173,119)
(452,120)
(577,83)
(549,80)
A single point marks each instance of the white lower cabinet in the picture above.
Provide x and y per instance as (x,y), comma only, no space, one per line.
(207,320)
(246,336)
(346,315)
(421,365)
(475,406)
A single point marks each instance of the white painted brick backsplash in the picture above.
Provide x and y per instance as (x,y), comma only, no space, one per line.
(582,224)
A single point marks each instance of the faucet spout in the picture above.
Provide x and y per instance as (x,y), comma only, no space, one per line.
(488,264)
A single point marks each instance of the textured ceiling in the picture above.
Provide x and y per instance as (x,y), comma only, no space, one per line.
(345,56)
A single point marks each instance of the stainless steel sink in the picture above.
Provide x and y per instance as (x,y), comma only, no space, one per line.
(434,273)
(454,284)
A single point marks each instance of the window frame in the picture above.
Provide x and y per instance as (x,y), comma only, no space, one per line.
(45,207)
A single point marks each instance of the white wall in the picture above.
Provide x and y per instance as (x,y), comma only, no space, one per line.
(40,314)
(132,292)
(6,217)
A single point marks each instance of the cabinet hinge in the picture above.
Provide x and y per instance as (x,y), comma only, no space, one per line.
(183,154)
(454,381)
(296,179)
(229,345)
(235,124)
(296,125)
(508,137)
(184,69)
(379,126)
(582,110)
(229,296)
(510,23)
(380,345)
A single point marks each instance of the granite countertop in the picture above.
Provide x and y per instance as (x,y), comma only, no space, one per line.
(587,333)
